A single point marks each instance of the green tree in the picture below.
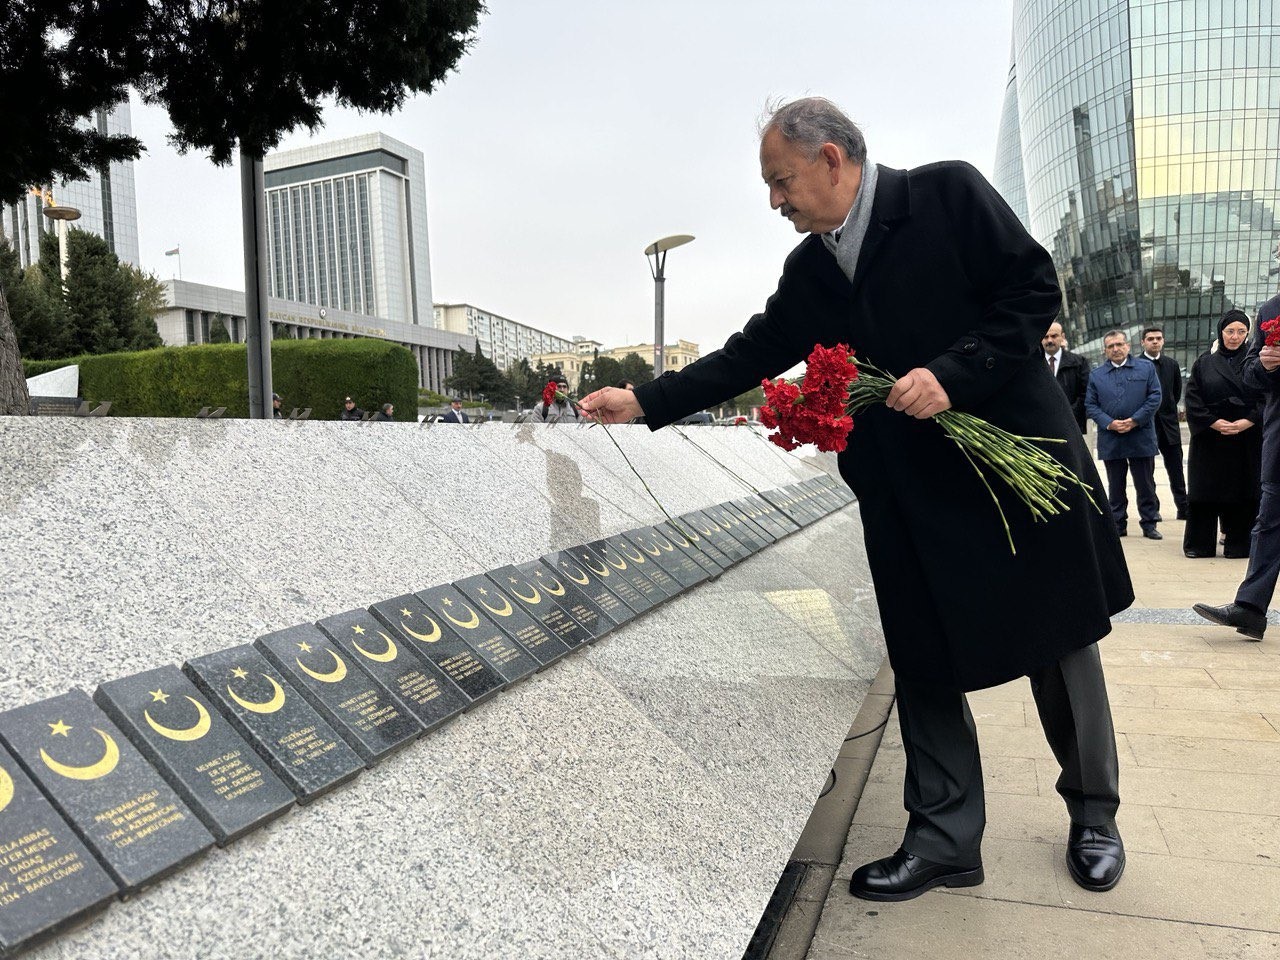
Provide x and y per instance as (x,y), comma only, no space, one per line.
(524,382)
(635,368)
(265,68)
(60,60)
(745,401)
(601,372)
(464,379)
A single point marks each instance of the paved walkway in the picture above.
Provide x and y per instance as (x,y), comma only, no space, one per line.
(1197,716)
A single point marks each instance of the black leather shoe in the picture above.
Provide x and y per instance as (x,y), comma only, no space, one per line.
(1249,622)
(905,876)
(1095,856)
(1153,534)
(1194,555)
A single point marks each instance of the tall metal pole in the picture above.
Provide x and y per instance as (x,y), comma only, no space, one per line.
(659,301)
(257,327)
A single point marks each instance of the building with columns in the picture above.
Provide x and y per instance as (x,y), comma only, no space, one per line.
(194,312)
(582,351)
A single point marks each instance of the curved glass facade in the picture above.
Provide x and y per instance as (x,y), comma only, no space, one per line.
(1150,137)
(1008,175)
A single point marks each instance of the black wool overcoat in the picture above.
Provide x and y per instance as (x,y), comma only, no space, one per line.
(948,278)
(1073,378)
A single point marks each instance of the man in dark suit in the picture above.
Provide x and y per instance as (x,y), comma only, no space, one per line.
(1168,433)
(455,414)
(1122,399)
(1070,370)
(983,292)
(1248,614)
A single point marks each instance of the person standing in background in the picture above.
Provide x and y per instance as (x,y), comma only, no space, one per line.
(1168,433)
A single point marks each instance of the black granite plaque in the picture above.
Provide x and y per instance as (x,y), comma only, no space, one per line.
(665,554)
(682,536)
(540,606)
(428,639)
(632,572)
(839,489)
(221,777)
(605,575)
(781,522)
(419,686)
(719,535)
(477,629)
(710,556)
(48,877)
(787,505)
(346,696)
(118,804)
(741,530)
(625,548)
(804,495)
(571,600)
(753,518)
(268,711)
(511,615)
(586,581)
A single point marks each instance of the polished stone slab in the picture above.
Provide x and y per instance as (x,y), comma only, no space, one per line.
(661,552)
(48,877)
(344,694)
(120,806)
(562,592)
(591,580)
(418,686)
(299,744)
(433,642)
(686,540)
(473,625)
(644,585)
(606,577)
(717,534)
(219,775)
(514,620)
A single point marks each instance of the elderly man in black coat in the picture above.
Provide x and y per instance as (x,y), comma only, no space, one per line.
(1070,370)
(930,275)
(1248,614)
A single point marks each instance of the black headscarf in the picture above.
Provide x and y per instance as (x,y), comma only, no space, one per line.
(1233,357)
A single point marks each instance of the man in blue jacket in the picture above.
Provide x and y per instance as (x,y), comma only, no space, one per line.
(1122,399)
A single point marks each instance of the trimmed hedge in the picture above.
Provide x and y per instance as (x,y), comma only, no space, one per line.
(178,381)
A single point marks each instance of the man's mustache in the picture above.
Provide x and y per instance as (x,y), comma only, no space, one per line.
(786,210)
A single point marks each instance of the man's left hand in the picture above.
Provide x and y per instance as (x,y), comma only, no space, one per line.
(919,394)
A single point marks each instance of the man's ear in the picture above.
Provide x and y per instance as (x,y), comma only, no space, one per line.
(833,157)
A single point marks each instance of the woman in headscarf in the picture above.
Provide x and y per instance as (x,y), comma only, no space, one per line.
(1225,463)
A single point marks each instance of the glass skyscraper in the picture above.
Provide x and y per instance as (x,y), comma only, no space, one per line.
(347,227)
(1149,134)
(107,202)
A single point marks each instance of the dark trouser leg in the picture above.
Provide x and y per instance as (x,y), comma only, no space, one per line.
(1144,484)
(1264,552)
(1201,533)
(1237,523)
(1117,477)
(942,792)
(1172,454)
(1071,698)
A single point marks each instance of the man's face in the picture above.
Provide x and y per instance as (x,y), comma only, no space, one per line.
(1153,343)
(1052,341)
(456,405)
(803,190)
(1117,349)
(349,404)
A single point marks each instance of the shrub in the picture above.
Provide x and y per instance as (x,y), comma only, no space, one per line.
(178,381)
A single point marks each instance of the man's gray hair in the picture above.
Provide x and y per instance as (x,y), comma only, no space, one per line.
(1115,333)
(812,121)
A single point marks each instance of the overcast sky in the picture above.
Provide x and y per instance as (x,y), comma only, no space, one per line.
(575,133)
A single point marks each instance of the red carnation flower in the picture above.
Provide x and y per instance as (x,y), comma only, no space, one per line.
(549,393)
(1272,329)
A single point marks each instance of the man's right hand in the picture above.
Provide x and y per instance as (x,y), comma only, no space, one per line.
(1269,357)
(611,405)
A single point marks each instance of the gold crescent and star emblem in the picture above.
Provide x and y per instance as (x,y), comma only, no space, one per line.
(386,656)
(502,611)
(268,706)
(94,771)
(532,601)
(655,552)
(663,542)
(680,540)
(431,637)
(705,533)
(602,572)
(6,789)
(620,565)
(557,590)
(470,623)
(338,672)
(186,735)
(567,569)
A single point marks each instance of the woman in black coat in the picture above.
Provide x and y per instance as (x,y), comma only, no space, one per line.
(1225,464)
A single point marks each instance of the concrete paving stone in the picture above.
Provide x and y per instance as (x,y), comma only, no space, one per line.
(1159,676)
(1002,713)
(1246,679)
(1204,754)
(1219,724)
(1126,695)
(1019,689)
(1213,835)
(1266,702)
(1223,943)
(1151,637)
(945,925)
(1201,790)
(1208,659)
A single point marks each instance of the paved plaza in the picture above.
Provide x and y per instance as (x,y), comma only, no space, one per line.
(1197,717)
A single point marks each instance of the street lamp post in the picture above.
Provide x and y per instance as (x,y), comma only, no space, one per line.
(62,216)
(656,253)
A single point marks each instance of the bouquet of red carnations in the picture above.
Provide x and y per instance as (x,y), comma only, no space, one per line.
(1272,329)
(836,386)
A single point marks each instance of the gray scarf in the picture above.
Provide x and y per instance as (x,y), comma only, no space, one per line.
(854,231)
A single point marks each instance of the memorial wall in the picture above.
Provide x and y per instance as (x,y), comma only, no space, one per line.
(326,689)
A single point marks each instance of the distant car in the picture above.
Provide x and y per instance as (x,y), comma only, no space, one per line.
(694,419)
